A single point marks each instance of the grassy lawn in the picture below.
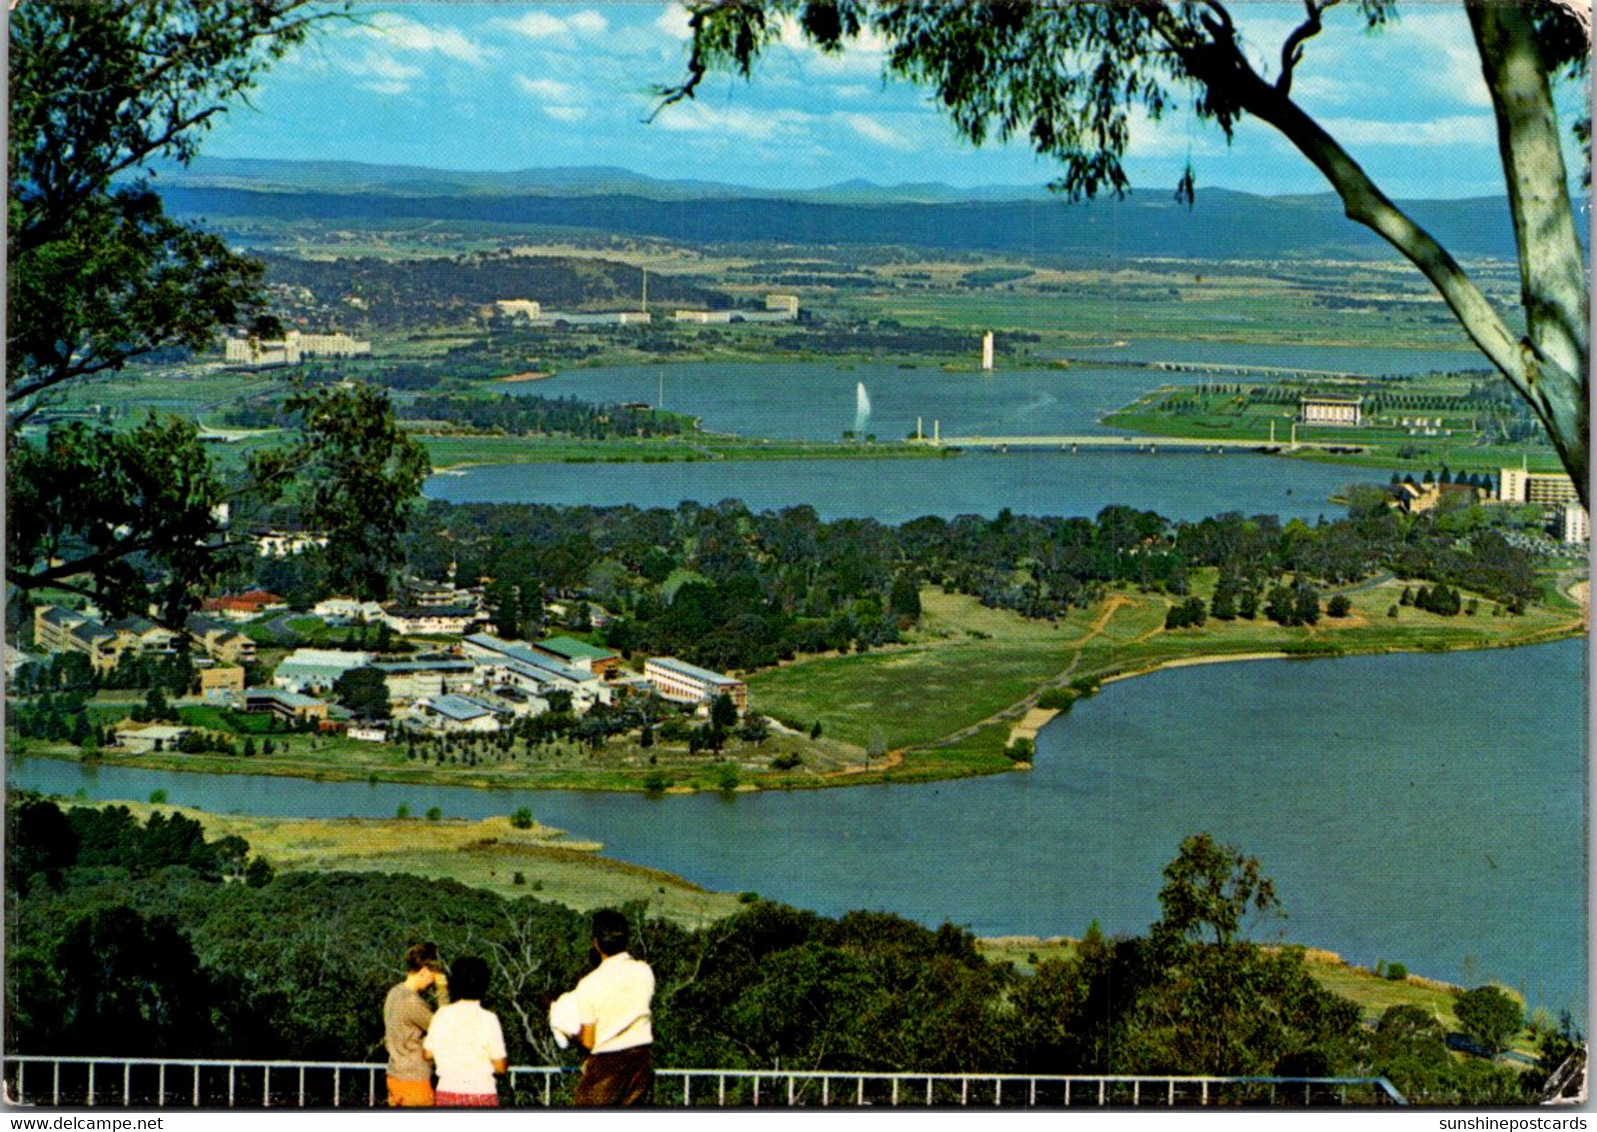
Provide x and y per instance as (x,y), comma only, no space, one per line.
(454,451)
(947,698)
(488,854)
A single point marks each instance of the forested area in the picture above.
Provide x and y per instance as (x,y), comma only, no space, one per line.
(407,293)
(731,589)
(128,937)
(515,415)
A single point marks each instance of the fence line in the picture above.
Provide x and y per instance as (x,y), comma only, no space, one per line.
(91,1082)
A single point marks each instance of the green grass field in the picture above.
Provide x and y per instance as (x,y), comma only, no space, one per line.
(458,451)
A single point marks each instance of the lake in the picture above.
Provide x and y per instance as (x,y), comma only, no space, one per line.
(1179,486)
(819,400)
(1424,809)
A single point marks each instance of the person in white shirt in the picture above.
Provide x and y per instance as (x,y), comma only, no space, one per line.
(465,1041)
(608,1013)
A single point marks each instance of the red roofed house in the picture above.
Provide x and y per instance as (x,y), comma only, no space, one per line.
(245,606)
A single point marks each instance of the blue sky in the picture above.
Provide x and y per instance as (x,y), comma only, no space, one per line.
(512,86)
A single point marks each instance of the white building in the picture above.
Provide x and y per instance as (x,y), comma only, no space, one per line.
(151,737)
(316,670)
(525,308)
(783,304)
(292,349)
(705,318)
(431,620)
(1516,485)
(987,350)
(346,610)
(1575,523)
(507,664)
(455,713)
(412,680)
(685,683)
(283,544)
(1340,412)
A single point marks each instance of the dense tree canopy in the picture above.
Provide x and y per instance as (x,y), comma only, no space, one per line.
(99,276)
(728,588)
(124,938)
(1071,78)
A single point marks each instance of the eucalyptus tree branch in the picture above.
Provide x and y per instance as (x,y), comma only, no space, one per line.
(1292,49)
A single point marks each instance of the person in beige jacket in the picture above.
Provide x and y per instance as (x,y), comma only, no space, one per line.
(406,1018)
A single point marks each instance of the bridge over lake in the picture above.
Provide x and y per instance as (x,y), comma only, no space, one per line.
(1230,369)
(1151,444)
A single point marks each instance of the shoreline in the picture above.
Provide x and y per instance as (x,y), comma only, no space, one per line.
(1031,723)
(1226,658)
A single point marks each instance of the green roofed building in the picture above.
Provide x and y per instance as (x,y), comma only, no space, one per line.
(580,654)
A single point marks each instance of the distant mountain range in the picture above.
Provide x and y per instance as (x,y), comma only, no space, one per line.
(579,180)
(1015,219)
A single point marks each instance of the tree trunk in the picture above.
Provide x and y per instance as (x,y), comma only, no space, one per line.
(1548,366)
(1552,267)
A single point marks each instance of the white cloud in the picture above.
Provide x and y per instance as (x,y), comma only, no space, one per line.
(879,132)
(539,24)
(1457,130)
(407,34)
(549,89)
(589,23)
(381,73)
(566,113)
(536,25)
(756,125)
(673,23)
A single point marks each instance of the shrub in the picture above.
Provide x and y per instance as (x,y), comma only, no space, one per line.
(1397,972)
(1021,750)
(788,761)
(1490,1017)
(1057,699)
(522,818)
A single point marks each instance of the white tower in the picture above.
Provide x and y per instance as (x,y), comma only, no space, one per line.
(987,351)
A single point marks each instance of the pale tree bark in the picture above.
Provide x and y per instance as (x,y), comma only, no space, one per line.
(1552,267)
(1548,365)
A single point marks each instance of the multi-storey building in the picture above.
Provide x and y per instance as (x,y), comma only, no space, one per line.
(1575,523)
(1516,485)
(65,630)
(293,348)
(509,664)
(686,683)
(220,641)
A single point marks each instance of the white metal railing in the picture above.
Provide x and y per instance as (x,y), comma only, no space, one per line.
(134,1082)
